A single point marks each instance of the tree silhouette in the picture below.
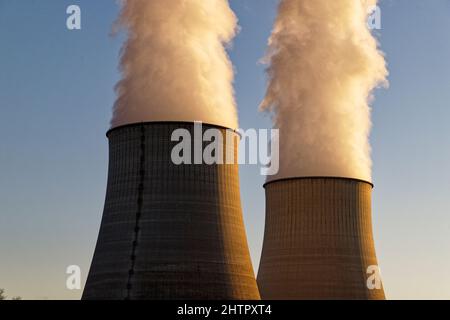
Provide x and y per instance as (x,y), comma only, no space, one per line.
(3,297)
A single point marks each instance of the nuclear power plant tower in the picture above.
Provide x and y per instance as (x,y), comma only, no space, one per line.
(318,241)
(169,232)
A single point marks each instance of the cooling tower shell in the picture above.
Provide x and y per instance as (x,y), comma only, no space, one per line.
(169,232)
(318,242)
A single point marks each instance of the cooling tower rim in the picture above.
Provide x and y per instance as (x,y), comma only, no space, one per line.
(144,123)
(318,177)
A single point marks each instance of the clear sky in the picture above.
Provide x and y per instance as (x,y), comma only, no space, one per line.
(56,94)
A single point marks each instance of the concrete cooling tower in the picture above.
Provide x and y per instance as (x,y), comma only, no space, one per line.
(169,231)
(318,241)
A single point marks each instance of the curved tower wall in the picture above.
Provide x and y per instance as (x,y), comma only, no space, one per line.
(169,231)
(318,241)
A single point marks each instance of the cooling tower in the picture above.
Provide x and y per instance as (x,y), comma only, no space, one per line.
(318,241)
(169,232)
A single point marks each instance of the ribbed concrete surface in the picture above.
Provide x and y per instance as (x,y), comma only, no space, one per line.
(318,240)
(169,232)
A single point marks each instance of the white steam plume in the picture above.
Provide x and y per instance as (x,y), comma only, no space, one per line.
(174,63)
(323,66)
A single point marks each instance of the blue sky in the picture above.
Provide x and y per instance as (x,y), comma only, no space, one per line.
(56,94)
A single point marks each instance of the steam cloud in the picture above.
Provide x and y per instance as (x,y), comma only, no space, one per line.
(323,66)
(174,63)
